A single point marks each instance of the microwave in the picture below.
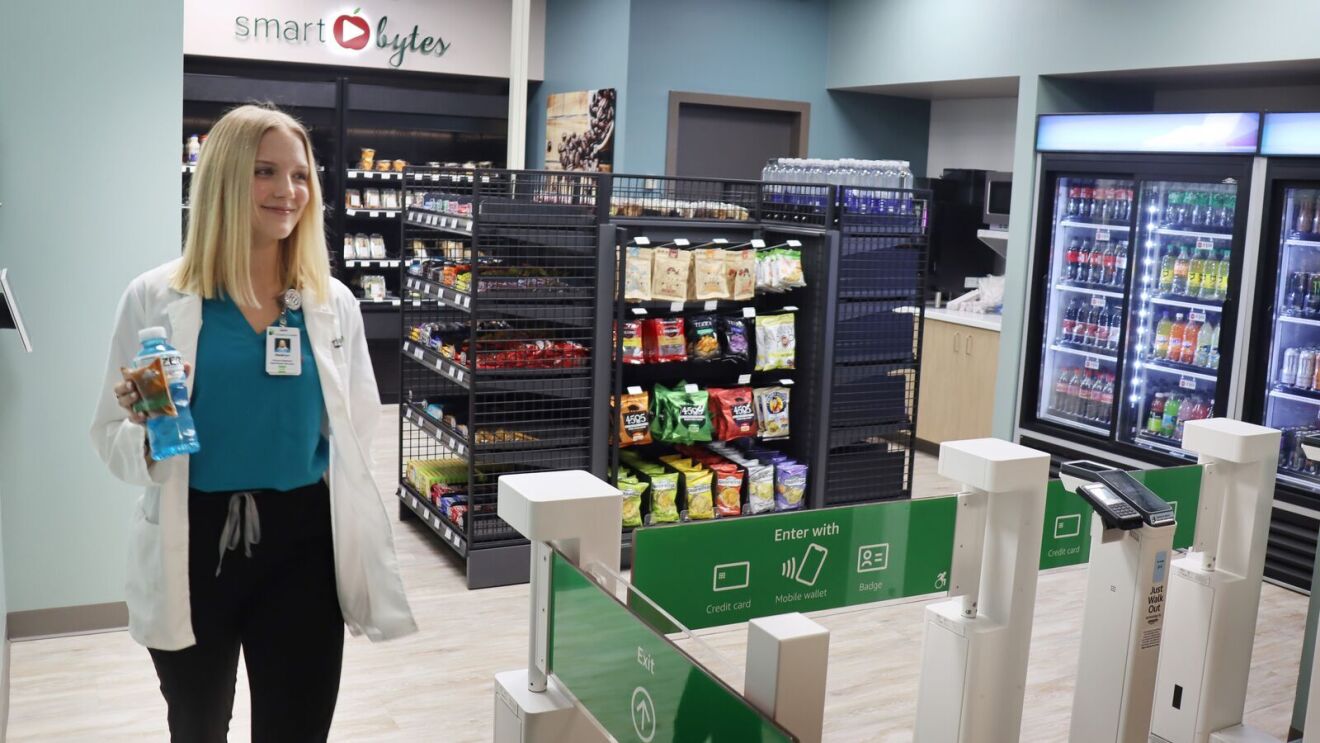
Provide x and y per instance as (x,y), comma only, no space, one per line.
(998,199)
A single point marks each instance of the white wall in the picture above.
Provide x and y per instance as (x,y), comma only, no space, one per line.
(975,133)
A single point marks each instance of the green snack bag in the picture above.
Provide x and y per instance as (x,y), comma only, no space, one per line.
(664,497)
(633,491)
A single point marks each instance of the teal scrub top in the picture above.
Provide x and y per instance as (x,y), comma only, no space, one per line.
(257,431)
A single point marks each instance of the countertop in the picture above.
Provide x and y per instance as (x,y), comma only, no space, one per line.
(971,319)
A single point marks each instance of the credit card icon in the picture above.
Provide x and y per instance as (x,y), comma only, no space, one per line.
(732,576)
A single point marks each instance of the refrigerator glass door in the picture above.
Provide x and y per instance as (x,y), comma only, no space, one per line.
(1172,367)
(1084,305)
(1292,402)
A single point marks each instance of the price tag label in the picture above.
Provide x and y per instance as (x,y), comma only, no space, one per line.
(1196,316)
(790,308)
(369,174)
(794,243)
(639,311)
(675,306)
(758,243)
(749,312)
(417,353)
(1098,301)
(459,376)
(467,301)
(417,176)
(681,242)
(1102,236)
(373,214)
(396,302)
(417,303)
(449,534)
(485,179)
(1187,383)
(642,241)
(1093,364)
(1205,243)
(744,379)
(634,390)
(786,382)
(351,212)
(690,388)
(710,304)
(720,241)
(435,176)
(412,501)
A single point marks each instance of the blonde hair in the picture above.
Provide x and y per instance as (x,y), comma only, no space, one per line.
(217,251)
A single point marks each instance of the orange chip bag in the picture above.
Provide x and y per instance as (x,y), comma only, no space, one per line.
(635,420)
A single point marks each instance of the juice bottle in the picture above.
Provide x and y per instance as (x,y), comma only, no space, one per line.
(1195,273)
(1221,288)
(1169,421)
(1176,332)
(1204,338)
(1166,272)
(1190,335)
(1156,416)
(1162,329)
(1181,267)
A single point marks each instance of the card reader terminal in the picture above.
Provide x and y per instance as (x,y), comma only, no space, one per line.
(1121,501)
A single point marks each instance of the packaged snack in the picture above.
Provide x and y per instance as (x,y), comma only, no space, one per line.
(361,246)
(637,274)
(669,274)
(389,199)
(632,490)
(664,497)
(728,489)
(710,280)
(790,268)
(790,486)
(663,340)
(632,343)
(367,159)
(681,417)
(760,487)
(371,198)
(350,249)
(772,411)
(377,246)
(353,198)
(775,342)
(703,342)
(740,268)
(733,413)
(697,490)
(733,339)
(635,420)
(153,386)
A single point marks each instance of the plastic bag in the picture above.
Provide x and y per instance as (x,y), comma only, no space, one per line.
(776,342)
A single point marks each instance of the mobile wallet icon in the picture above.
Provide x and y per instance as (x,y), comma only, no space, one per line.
(806,570)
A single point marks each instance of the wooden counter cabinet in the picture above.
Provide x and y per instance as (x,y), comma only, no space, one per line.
(957,393)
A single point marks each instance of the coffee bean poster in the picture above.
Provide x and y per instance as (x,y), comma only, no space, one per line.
(579,130)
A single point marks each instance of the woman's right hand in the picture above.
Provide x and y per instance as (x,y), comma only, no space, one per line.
(126,394)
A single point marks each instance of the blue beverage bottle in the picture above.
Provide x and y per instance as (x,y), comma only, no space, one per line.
(169,435)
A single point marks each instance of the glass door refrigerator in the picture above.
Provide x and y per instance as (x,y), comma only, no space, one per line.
(1132,310)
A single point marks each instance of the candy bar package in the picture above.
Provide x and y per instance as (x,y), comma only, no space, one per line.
(670,268)
(733,413)
(733,339)
(740,268)
(776,342)
(771,411)
(637,278)
(703,341)
(790,486)
(710,279)
(153,386)
(663,340)
(635,420)
(728,489)
(697,485)
(632,352)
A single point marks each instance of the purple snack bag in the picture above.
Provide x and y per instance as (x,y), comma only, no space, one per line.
(790,486)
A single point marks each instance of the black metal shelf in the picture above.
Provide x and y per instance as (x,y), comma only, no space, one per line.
(546,436)
(449,532)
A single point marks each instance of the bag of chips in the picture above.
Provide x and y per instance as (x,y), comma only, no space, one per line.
(703,341)
(153,386)
(635,420)
(663,340)
(632,352)
(697,490)
(681,417)
(733,339)
(728,489)
(790,486)
(637,274)
(776,342)
(790,268)
(633,490)
(662,507)
(740,268)
(771,411)
(760,486)
(733,412)
(710,279)
(669,274)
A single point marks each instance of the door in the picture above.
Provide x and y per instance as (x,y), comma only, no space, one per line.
(713,136)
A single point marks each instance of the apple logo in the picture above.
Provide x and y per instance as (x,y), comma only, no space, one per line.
(351,31)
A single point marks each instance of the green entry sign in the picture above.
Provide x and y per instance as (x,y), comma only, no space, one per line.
(638,685)
(719,572)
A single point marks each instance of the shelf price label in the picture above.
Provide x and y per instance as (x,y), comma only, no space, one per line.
(1196,316)
(1187,383)
(758,243)
(1102,236)
(1093,364)
(1206,243)
(1098,301)
(417,353)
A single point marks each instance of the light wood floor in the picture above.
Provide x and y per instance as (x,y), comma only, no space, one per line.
(437,685)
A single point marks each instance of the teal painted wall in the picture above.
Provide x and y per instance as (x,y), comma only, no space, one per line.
(90,143)
(586,48)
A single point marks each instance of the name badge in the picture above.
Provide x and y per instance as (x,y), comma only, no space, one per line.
(283,351)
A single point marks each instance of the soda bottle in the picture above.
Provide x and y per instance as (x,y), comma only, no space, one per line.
(1162,330)
(1230,211)
(1195,270)
(1203,338)
(1107,399)
(1098,263)
(1181,266)
(1115,327)
(1155,419)
(1176,332)
(1074,196)
(1069,321)
(1297,285)
(1083,261)
(1074,392)
(1288,374)
(1084,206)
(1120,263)
(1089,330)
(1185,412)
(1313,295)
(1124,205)
(1084,397)
(1173,209)
(1110,261)
(1190,335)
(1304,215)
(1169,421)
(1166,272)
(1060,399)
(1110,210)
(169,435)
(1102,328)
(1315,216)
(1221,282)
(1070,259)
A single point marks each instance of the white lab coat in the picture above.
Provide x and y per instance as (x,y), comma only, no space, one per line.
(366,570)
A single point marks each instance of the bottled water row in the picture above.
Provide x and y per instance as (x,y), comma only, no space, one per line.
(879,175)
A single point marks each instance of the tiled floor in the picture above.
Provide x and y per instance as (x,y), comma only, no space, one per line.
(437,685)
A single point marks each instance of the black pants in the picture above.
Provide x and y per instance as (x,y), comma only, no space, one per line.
(280,605)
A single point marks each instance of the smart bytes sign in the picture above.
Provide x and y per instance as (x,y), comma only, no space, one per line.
(459,37)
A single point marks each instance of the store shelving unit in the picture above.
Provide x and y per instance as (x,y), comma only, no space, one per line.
(511,352)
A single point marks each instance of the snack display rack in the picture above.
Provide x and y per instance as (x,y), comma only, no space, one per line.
(504,326)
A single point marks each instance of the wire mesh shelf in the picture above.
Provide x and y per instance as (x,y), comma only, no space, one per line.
(686,199)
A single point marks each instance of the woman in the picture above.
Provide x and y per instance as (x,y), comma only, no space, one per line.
(283,468)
